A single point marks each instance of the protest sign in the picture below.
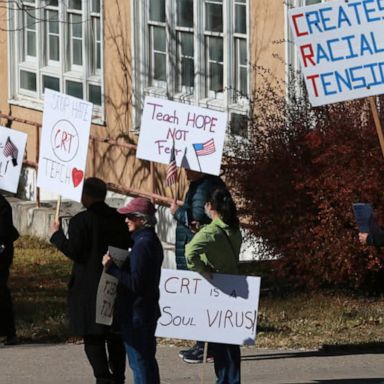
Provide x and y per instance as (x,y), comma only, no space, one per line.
(64,144)
(198,135)
(12,147)
(107,289)
(222,310)
(341,49)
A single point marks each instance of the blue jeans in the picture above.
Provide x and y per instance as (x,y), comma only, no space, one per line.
(140,345)
(226,363)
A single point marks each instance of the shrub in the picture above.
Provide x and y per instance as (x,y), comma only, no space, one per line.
(296,179)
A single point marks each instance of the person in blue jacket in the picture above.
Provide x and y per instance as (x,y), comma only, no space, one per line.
(137,304)
(189,218)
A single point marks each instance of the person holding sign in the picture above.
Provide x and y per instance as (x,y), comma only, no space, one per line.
(189,217)
(8,234)
(216,248)
(89,234)
(137,302)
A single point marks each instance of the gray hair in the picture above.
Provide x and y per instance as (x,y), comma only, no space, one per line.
(149,221)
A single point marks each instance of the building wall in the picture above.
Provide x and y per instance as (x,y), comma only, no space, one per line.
(119,165)
(267,37)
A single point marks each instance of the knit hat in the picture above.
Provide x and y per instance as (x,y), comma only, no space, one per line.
(139,205)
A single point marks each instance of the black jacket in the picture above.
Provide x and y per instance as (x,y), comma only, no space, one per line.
(139,278)
(8,233)
(89,234)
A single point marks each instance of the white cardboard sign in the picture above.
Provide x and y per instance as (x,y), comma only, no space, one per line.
(64,144)
(198,135)
(341,49)
(107,289)
(222,310)
(12,147)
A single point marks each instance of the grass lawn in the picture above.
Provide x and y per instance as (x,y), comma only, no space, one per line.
(303,320)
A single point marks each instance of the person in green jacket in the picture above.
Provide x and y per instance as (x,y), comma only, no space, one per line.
(216,248)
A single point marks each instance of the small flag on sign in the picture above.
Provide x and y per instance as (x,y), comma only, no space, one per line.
(205,149)
(10,149)
(172,169)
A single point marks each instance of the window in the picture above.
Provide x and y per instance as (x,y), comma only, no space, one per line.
(195,51)
(58,45)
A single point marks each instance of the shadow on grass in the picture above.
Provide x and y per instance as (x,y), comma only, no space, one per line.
(325,351)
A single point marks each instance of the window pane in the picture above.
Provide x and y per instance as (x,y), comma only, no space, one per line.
(77,57)
(240,19)
(75,89)
(310,2)
(186,41)
(75,4)
(96,6)
(31,18)
(243,51)
(239,124)
(51,83)
(157,10)
(98,56)
(77,26)
(28,80)
(53,22)
(54,52)
(216,77)
(31,43)
(53,3)
(160,67)
(185,13)
(187,74)
(214,17)
(243,81)
(95,94)
(215,48)
(159,40)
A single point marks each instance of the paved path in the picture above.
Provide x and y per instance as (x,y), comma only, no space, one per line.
(65,363)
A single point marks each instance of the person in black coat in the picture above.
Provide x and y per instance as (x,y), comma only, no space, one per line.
(138,297)
(189,217)
(89,234)
(8,234)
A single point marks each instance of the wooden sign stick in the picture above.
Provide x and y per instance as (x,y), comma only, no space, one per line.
(376,119)
(205,353)
(58,204)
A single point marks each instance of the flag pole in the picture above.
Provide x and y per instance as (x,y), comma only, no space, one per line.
(58,204)
(379,130)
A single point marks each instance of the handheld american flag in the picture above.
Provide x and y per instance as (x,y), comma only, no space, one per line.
(172,169)
(204,149)
(10,149)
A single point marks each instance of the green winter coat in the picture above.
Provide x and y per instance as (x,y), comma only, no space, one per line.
(210,249)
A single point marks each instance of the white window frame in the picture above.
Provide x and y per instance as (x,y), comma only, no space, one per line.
(223,102)
(87,74)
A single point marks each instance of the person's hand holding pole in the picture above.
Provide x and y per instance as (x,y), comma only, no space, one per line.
(363,238)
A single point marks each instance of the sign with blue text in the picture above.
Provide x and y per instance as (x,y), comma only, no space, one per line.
(341,49)
(195,135)
(222,309)
(12,147)
(64,144)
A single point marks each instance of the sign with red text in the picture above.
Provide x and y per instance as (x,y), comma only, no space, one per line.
(197,135)
(12,147)
(64,144)
(341,49)
(223,309)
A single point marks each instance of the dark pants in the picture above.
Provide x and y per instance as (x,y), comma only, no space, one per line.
(140,345)
(106,355)
(226,362)
(7,318)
